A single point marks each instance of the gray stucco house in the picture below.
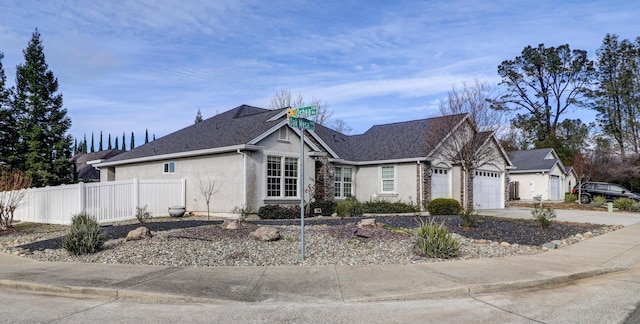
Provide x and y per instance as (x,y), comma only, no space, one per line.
(252,154)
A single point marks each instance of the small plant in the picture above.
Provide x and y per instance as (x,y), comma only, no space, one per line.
(242,212)
(279,212)
(599,201)
(143,215)
(435,241)
(84,236)
(624,203)
(386,207)
(469,218)
(444,206)
(543,215)
(349,207)
(570,197)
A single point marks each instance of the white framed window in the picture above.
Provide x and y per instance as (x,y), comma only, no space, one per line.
(282,176)
(343,181)
(169,167)
(283,134)
(388,178)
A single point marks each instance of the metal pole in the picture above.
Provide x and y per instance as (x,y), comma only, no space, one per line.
(302,193)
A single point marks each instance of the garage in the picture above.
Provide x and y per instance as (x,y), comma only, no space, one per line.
(487,190)
(440,184)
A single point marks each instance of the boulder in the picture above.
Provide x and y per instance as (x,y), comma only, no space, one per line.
(368,223)
(231,224)
(265,233)
(139,234)
(550,245)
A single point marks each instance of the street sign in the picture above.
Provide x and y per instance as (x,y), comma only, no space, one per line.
(306,111)
(302,123)
(291,113)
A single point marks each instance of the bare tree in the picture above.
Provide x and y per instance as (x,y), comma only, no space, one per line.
(584,170)
(475,99)
(284,99)
(208,188)
(13,190)
(463,143)
(341,126)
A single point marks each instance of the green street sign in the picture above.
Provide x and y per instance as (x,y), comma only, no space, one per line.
(306,111)
(301,123)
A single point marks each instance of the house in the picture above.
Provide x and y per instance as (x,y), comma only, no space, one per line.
(83,163)
(540,173)
(252,155)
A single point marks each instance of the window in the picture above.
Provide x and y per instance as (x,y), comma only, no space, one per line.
(388,179)
(282,176)
(284,134)
(169,167)
(343,179)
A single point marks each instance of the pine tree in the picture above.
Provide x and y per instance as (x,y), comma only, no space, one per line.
(84,144)
(109,143)
(93,147)
(133,142)
(8,126)
(124,146)
(100,148)
(146,135)
(117,146)
(198,117)
(42,120)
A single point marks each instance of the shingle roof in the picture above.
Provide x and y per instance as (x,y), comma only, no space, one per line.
(244,123)
(86,171)
(532,160)
(234,127)
(389,141)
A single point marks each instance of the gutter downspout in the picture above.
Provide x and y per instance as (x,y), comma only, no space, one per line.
(420,175)
(244,178)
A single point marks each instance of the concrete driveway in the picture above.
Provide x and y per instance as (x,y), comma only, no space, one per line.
(570,215)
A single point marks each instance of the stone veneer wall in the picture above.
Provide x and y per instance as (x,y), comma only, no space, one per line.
(426,184)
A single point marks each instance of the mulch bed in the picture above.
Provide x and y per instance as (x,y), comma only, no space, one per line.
(523,232)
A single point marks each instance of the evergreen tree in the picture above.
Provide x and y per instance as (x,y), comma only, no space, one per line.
(109,143)
(42,120)
(124,144)
(117,146)
(146,135)
(84,144)
(93,148)
(198,117)
(100,148)
(154,137)
(133,142)
(76,149)
(8,126)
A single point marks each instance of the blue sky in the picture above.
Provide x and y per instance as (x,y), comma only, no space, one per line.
(125,66)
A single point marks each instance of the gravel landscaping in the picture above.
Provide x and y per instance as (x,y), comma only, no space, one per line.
(196,241)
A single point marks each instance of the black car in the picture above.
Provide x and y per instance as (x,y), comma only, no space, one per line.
(609,191)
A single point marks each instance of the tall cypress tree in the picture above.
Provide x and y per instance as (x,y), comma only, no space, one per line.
(124,144)
(146,135)
(109,143)
(117,146)
(8,127)
(84,144)
(100,148)
(93,147)
(42,120)
(133,142)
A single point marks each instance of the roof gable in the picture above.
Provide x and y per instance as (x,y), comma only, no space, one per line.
(534,160)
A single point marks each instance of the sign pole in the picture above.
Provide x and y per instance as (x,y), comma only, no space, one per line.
(302,193)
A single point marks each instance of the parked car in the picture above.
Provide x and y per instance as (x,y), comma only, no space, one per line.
(609,191)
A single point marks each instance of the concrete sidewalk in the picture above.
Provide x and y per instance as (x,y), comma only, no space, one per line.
(615,251)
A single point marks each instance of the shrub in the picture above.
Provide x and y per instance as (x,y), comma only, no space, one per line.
(469,218)
(570,197)
(349,207)
(624,203)
(328,207)
(386,207)
(279,212)
(435,241)
(84,236)
(543,215)
(444,206)
(143,215)
(599,201)
(242,212)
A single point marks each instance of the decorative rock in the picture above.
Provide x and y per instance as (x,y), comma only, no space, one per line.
(265,233)
(138,234)
(550,245)
(231,224)
(368,223)
(505,244)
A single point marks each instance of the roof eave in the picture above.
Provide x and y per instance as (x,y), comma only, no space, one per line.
(393,161)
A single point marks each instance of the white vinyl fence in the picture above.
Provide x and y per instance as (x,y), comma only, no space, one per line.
(106,201)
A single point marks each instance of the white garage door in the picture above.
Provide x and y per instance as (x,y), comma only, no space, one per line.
(555,188)
(487,190)
(440,183)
